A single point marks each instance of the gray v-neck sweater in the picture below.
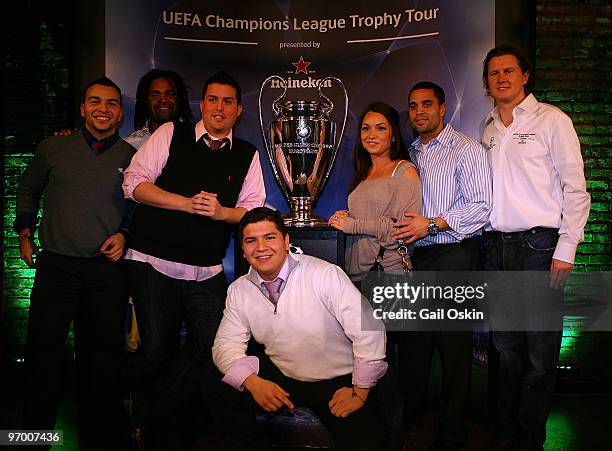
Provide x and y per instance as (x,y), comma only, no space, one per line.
(83,200)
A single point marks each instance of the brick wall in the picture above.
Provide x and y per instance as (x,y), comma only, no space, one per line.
(573,71)
(36,103)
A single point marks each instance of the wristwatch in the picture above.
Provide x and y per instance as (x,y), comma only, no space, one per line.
(432,228)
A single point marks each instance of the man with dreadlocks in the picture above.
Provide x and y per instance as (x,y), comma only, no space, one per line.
(161,97)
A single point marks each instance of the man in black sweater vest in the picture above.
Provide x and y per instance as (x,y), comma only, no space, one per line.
(192,183)
(77,275)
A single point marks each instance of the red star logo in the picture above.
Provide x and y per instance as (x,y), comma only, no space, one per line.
(301,66)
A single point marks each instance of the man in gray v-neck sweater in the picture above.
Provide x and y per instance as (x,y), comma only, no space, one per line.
(77,274)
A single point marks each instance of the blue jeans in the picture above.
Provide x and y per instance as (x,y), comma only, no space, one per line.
(173,373)
(527,360)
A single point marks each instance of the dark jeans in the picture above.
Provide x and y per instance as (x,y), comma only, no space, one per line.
(360,431)
(90,292)
(527,360)
(416,349)
(173,374)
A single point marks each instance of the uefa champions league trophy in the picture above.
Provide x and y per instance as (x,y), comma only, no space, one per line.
(302,145)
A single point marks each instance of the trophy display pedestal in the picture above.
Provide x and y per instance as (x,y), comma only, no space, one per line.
(323,242)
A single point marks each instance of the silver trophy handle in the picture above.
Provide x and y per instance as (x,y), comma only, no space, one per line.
(276,110)
(329,106)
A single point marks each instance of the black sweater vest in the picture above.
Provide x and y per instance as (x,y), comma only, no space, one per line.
(192,167)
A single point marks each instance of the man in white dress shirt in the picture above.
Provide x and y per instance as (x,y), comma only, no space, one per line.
(540,207)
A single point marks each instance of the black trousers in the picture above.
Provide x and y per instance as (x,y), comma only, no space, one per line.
(173,374)
(90,292)
(415,349)
(360,431)
(527,359)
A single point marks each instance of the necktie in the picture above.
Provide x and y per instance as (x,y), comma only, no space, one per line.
(97,146)
(273,289)
(216,144)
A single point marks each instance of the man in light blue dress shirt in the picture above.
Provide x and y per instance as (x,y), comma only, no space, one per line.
(456,202)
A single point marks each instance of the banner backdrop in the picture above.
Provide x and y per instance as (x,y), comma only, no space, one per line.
(378,49)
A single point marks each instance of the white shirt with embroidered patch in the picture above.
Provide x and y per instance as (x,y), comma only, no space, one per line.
(538,174)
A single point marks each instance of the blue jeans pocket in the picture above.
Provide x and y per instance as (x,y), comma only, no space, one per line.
(542,241)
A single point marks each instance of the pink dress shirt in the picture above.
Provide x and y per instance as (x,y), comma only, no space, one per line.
(148,163)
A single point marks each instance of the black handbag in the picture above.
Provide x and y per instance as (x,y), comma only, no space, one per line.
(378,266)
